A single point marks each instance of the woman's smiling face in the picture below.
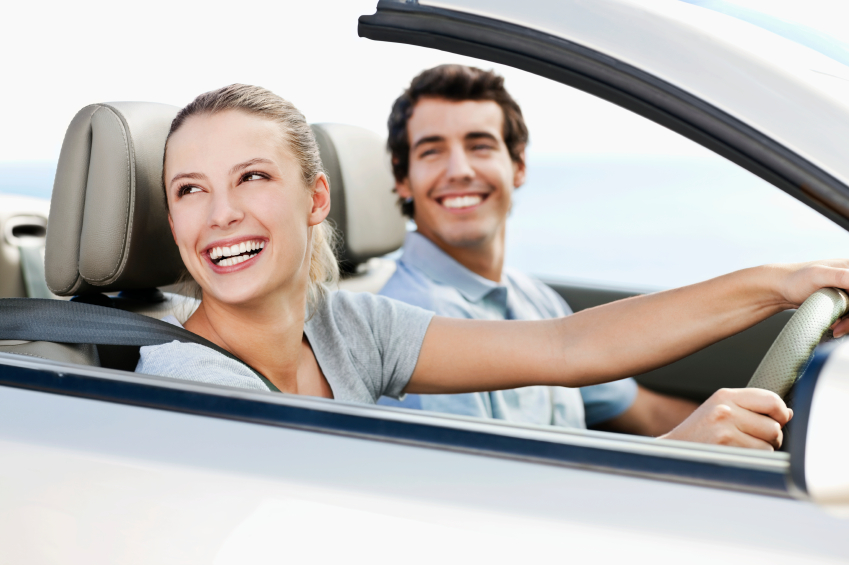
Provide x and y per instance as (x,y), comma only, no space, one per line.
(239,210)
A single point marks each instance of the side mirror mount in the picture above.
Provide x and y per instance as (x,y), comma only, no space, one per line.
(818,434)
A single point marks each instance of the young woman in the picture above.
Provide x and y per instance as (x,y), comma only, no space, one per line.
(247,201)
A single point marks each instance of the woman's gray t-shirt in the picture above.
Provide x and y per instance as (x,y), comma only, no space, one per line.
(366,346)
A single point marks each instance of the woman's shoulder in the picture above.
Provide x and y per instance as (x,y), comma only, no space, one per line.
(194,362)
(365,308)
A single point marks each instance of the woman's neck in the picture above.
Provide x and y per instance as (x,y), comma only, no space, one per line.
(269,337)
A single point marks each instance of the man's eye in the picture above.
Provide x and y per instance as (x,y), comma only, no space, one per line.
(427,153)
(482,147)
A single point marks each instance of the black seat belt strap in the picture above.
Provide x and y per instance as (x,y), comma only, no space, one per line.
(37,319)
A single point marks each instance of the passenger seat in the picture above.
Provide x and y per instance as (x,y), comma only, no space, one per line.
(363,206)
(109,242)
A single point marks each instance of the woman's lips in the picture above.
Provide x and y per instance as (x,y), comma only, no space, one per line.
(230,258)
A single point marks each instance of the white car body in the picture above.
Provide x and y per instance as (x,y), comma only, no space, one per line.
(103,466)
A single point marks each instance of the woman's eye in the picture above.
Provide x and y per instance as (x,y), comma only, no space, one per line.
(187,189)
(252,176)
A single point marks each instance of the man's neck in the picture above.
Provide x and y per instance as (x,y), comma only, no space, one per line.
(485,259)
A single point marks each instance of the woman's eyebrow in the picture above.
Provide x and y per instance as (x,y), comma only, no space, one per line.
(196,176)
(250,163)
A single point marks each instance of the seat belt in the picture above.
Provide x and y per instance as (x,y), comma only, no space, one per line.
(60,321)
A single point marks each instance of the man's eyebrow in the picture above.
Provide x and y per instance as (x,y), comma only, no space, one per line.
(480,135)
(428,139)
(195,176)
(250,163)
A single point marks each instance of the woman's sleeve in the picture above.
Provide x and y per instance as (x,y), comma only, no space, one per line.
(399,329)
(383,338)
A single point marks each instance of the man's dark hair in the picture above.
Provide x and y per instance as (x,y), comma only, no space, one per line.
(457,83)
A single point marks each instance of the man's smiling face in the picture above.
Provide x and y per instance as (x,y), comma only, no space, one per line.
(461,176)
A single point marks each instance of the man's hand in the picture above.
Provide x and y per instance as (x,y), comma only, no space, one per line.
(743,417)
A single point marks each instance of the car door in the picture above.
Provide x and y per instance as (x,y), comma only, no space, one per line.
(102,466)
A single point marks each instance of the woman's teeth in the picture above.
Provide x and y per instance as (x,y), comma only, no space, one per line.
(235,254)
(462,201)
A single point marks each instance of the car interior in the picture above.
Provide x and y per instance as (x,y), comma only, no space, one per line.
(107,241)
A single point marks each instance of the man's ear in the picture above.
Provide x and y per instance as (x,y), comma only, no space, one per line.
(519,171)
(402,188)
(320,200)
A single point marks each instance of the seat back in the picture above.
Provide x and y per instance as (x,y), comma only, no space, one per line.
(108,228)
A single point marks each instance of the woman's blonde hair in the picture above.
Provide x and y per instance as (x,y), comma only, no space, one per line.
(255,100)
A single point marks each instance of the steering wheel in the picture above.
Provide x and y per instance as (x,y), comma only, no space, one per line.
(790,353)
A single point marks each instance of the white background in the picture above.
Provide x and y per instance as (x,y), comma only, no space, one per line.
(60,56)
(610,196)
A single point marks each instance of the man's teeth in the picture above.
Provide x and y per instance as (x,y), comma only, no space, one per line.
(462,201)
(235,254)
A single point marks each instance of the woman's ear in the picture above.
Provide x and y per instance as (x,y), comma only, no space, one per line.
(320,200)
(171,224)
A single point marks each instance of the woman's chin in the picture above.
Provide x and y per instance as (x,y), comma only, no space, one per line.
(235,294)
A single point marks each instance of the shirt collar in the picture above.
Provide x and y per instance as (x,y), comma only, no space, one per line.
(426,256)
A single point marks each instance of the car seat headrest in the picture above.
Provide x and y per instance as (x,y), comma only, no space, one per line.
(363,206)
(108,225)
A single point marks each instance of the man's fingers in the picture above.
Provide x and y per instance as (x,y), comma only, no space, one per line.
(841,327)
(740,439)
(760,428)
(758,400)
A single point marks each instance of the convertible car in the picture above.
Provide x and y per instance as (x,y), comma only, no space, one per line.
(104,465)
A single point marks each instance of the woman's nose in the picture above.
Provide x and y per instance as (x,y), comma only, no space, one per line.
(225,211)
(459,167)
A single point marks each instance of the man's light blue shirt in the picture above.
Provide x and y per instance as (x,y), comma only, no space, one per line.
(429,278)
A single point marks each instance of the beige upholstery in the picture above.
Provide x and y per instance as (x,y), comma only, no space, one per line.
(22,223)
(79,353)
(108,227)
(108,222)
(363,205)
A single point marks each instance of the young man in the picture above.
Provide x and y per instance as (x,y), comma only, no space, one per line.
(458,141)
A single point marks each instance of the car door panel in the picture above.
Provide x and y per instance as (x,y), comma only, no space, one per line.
(106,482)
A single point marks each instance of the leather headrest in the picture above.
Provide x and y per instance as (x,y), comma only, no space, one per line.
(363,206)
(108,225)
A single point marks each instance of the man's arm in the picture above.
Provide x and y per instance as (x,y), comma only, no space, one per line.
(651,414)
(615,340)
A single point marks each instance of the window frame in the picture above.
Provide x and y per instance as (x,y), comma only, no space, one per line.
(726,468)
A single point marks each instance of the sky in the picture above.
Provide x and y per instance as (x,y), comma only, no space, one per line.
(65,55)
(61,56)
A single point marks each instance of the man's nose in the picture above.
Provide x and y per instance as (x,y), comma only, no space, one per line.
(459,167)
(225,211)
